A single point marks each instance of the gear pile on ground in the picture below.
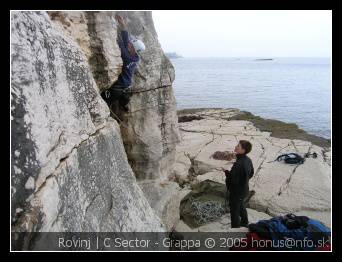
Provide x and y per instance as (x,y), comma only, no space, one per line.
(206,203)
(207,211)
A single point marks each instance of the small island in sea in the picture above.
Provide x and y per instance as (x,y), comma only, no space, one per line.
(263,59)
(172,55)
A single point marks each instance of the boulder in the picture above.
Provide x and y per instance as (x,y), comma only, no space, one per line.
(217,176)
(181,226)
(164,197)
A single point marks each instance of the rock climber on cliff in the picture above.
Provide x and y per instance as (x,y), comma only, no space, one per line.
(237,184)
(130,49)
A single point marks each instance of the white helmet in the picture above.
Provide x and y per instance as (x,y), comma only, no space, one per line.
(138,45)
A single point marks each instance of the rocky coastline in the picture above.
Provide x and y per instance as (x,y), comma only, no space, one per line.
(277,188)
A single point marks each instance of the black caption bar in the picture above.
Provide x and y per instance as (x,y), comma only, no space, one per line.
(155,241)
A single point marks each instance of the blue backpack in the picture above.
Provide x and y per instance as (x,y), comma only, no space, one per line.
(313,231)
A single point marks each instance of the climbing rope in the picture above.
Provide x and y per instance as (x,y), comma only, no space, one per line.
(207,211)
(137,91)
(117,118)
(149,107)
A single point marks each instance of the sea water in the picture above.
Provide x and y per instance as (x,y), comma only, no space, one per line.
(296,90)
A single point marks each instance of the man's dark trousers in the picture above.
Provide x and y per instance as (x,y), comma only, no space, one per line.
(238,212)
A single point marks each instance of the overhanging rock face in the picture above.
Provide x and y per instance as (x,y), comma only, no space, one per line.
(69,166)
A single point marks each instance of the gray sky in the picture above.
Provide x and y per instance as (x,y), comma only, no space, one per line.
(240,33)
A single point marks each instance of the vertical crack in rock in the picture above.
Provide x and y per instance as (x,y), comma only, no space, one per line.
(91,202)
(97,61)
(191,171)
(206,144)
(56,144)
(285,185)
(64,158)
(263,156)
(288,180)
(270,141)
(162,111)
(281,149)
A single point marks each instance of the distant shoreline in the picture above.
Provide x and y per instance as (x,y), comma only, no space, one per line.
(277,128)
(173,55)
(264,59)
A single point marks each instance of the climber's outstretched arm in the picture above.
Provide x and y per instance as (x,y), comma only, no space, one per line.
(121,22)
(124,39)
(123,29)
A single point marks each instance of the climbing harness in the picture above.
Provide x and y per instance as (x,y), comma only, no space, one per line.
(137,91)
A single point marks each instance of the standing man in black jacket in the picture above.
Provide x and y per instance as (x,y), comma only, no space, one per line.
(237,184)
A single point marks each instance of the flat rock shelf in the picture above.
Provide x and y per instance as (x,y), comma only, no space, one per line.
(278,188)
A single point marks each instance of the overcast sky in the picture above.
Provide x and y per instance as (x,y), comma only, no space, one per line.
(238,33)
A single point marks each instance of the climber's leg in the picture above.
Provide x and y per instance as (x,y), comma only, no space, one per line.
(123,101)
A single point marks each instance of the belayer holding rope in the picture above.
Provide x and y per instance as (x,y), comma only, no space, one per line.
(130,49)
(237,184)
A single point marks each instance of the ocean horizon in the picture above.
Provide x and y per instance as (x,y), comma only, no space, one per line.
(290,89)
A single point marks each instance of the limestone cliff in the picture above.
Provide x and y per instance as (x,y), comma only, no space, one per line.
(70,171)
(149,130)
